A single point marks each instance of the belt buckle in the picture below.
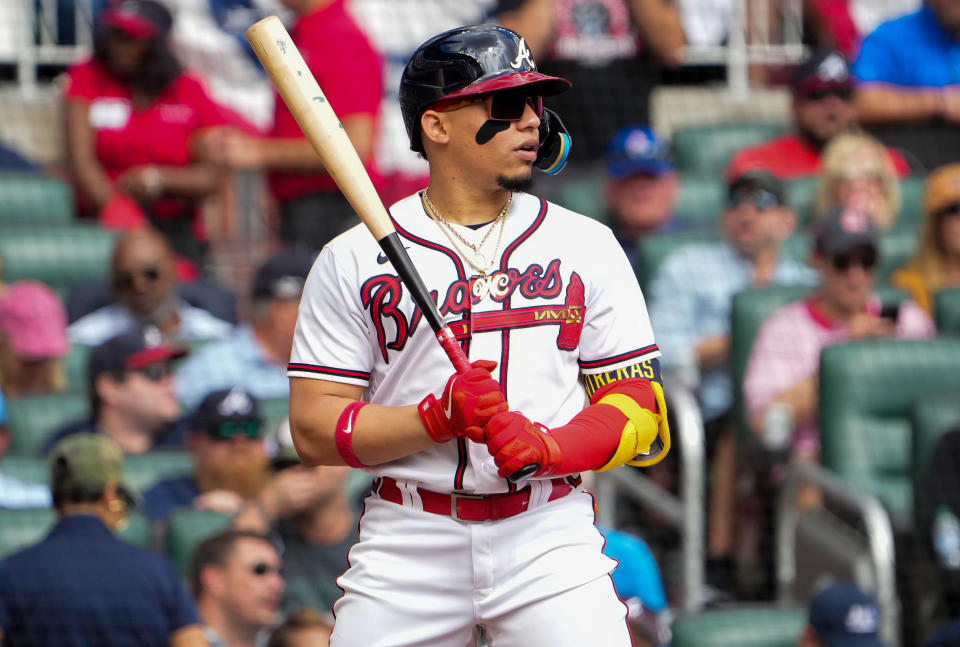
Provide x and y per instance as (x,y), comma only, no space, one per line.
(455,496)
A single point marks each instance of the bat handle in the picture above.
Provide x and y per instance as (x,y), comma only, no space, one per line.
(461,363)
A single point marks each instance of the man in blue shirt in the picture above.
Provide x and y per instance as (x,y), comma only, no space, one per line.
(690,302)
(254,356)
(909,75)
(81,585)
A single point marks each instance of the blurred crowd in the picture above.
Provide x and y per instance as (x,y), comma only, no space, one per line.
(150,408)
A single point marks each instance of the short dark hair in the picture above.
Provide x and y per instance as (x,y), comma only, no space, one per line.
(305,618)
(215,551)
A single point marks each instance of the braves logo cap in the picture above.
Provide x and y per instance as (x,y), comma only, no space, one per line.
(845,616)
(637,149)
(282,276)
(844,228)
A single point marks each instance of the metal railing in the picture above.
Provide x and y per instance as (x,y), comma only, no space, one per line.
(878,529)
(683,511)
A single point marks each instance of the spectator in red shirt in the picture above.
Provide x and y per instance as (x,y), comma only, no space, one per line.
(822,109)
(131,116)
(349,71)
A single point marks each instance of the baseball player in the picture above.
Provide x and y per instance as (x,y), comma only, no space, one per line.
(546,306)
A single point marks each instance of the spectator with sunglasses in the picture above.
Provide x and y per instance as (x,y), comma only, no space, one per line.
(130,384)
(255,355)
(145,290)
(782,369)
(692,294)
(935,264)
(235,578)
(822,109)
(229,460)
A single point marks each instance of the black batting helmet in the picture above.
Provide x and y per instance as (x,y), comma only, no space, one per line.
(465,62)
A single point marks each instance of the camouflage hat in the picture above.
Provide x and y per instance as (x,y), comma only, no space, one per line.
(83,464)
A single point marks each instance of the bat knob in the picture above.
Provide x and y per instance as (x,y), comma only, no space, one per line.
(523,473)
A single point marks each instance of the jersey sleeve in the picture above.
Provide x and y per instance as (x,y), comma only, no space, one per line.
(330,342)
(616,330)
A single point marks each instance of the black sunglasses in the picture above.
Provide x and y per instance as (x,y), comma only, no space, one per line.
(949,210)
(156,372)
(505,105)
(232,428)
(867,259)
(124,280)
(759,198)
(262,568)
(819,95)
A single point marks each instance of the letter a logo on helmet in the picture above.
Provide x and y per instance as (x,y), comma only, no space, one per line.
(523,54)
(465,62)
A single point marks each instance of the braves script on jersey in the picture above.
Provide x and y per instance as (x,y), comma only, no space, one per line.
(561,300)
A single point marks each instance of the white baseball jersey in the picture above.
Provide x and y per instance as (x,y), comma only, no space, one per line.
(562,300)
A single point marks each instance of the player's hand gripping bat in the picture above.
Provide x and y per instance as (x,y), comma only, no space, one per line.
(306,101)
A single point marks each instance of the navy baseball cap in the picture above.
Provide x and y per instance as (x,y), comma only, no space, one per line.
(637,149)
(845,616)
(225,413)
(844,228)
(131,351)
(823,70)
(282,275)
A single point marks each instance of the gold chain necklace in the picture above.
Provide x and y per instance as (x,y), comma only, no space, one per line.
(478,260)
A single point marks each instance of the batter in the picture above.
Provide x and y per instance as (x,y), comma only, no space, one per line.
(548,310)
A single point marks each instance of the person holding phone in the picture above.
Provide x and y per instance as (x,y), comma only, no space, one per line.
(782,371)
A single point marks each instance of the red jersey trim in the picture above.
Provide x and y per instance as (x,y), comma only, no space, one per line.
(328,370)
(622,357)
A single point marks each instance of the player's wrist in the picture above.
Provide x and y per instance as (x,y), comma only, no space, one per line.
(434,421)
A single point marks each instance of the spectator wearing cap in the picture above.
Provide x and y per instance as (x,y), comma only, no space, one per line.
(308,510)
(823,108)
(132,115)
(856,171)
(144,281)
(690,301)
(255,355)
(130,382)
(81,585)
(842,615)
(935,264)
(236,579)
(33,340)
(783,366)
(230,464)
(642,187)
(906,70)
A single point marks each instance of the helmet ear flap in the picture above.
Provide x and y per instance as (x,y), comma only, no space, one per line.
(555,143)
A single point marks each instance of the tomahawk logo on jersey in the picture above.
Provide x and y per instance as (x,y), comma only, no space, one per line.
(358,324)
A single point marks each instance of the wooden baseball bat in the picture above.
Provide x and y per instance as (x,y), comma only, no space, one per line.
(322,128)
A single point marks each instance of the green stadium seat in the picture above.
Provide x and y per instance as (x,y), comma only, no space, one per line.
(32,199)
(584,196)
(58,255)
(185,529)
(29,469)
(749,310)
(20,529)
(75,369)
(705,150)
(32,419)
(143,470)
(932,416)
(896,246)
(653,250)
(701,201)
(946,311)
(911,201)
(867,392)
(274,410)
(747,627)
(800,194)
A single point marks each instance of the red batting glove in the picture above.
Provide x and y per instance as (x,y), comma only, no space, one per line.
(468,402)
(515,442)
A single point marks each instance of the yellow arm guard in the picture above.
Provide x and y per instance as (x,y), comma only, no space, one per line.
(645,439)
